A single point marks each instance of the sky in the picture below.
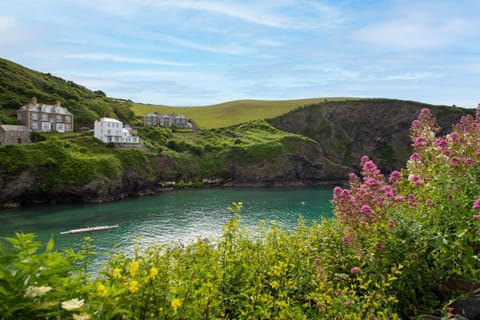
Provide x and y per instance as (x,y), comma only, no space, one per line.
(197,52)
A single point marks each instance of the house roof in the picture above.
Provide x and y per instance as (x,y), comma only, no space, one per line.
(109,120)
(46,108)
(11,127)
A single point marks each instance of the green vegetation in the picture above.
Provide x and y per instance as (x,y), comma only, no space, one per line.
(18,85)
(393,244)
(231,113)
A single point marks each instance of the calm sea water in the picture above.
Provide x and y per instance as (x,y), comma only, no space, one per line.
(170,217)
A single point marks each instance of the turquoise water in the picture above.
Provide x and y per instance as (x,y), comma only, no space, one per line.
(169,217)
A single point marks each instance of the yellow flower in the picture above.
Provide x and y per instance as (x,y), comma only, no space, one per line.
(176,303)
(102,290)
(133,286)
(153,273)
(133,268)
(116,273)
(73,304)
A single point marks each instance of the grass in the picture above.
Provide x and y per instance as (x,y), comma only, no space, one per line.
(232,112)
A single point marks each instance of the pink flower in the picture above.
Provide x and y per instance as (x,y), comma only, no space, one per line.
(441,143)
(415,157)
(446,152)
(455,161)
(345,193)
(429,202)
(337,190)
(450,197)
(476,217)
(381,246)
(468,160)
(355,270)
(317,260)
(416,123)
(366,209)
(391,222)
(364,159)
(395,176)
(420,141)
(454,136)
(399,198)
(476,204)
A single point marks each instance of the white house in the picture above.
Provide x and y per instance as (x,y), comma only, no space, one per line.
(111,130)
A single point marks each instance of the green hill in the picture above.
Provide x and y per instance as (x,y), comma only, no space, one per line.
(232,112)
(19,84)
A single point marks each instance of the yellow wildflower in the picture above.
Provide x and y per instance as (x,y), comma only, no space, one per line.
(176,303)
(153,273)
(133,268)
(102,290)
(116,273)
(133,286)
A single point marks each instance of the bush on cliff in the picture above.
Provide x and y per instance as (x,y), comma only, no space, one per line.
(392,245)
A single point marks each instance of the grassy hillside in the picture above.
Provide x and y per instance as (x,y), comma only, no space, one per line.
(19,84)
(233,112)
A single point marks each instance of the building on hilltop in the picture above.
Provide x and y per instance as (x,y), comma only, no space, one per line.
(13,134)
(166,120)
(112,130)
(47,118)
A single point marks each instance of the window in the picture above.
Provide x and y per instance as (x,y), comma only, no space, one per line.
(34,116)
(68,119)
(59,118)
(35,125)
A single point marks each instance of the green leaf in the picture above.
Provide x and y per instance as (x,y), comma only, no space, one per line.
(50,245)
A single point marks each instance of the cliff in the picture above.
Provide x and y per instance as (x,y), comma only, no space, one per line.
(379,128)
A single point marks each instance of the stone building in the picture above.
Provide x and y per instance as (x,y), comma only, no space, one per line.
(165,120)
(13,134)
(47,118)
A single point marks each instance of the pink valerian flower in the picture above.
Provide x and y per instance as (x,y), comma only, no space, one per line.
(381,246)
(415,157)
(395,177)
(468,160)
(477,153)
(415,180)
(476,204)
(317,260)
(364,159)
(441,143)
(346,240)
(447,152)
(412,200)
(366,209)
(476,217)
(420,141)
(399,198)
(429,202)
(453,136)
(391,222)
(354,270)
(450,197)
(455,161)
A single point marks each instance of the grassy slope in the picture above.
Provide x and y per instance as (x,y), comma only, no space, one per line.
(233,112)
(19,84)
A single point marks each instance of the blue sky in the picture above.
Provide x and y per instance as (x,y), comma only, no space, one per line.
(196,52)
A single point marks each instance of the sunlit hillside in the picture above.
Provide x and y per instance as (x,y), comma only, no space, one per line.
(232,112)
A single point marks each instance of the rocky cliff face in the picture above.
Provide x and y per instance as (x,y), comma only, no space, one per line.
(379,128)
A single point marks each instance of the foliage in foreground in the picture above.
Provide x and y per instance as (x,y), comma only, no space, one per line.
(393,244)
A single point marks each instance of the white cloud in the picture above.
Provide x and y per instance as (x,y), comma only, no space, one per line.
(414,31)
(118,58)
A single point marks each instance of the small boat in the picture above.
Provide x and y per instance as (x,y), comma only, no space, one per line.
(89,229)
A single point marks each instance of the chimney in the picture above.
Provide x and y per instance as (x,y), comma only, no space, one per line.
(57,104)
(34,101)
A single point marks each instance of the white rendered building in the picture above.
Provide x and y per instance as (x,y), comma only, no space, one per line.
(111,130)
